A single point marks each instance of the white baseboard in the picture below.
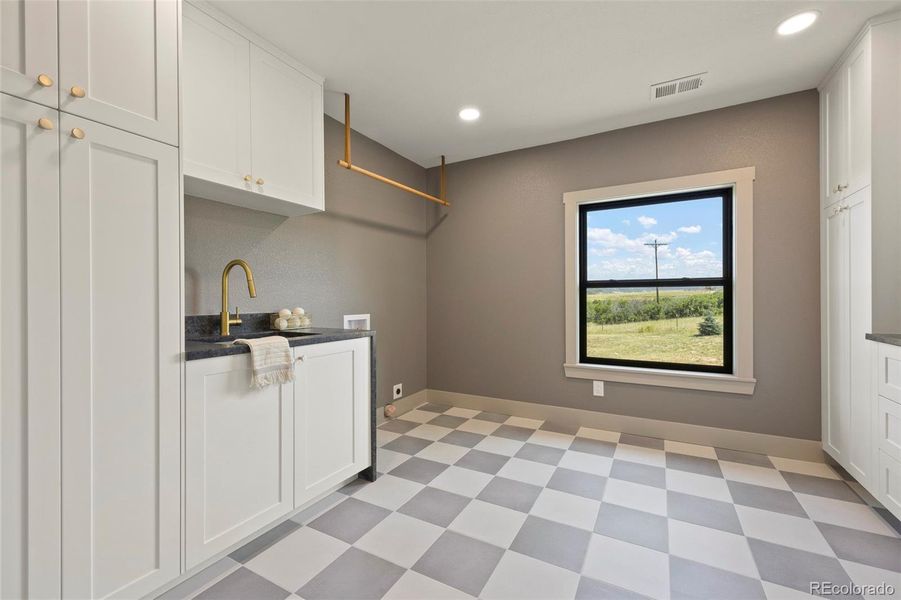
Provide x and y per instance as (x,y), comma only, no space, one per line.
(761,443)
(403,405)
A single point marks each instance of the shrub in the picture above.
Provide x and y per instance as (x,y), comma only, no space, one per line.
(709,326)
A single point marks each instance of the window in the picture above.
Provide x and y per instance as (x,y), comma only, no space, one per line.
(655,281)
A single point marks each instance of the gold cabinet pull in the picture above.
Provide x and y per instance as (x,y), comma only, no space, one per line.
(45,80)
(77,133)
(248,178)
(260,181)
(76,91)
(45,123)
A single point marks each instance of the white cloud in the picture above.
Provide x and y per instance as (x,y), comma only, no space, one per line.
(690,229)
(647,222)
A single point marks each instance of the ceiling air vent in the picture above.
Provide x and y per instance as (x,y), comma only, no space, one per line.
(674,87)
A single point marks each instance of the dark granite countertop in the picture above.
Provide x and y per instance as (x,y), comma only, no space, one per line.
(202,335)
(886,338)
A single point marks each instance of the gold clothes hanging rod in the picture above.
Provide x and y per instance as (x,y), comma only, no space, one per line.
(352,167)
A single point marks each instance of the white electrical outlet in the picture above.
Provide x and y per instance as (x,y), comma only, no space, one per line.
(398,391)
(598,388)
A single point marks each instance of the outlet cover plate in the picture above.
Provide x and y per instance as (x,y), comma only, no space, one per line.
(398,391)
(597,388)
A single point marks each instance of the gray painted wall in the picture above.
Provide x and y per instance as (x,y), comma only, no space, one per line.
(495,265)
(365,254)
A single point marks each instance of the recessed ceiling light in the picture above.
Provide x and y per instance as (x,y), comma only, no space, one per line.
(470,114)
(797,23)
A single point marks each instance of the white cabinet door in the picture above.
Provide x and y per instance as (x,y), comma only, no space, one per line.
(286,127)
(124,57)
(856,72)
(239,455)
(835,137)
(836,315)
(332,415)
(216,102)
(29,349)
(121,342)
(28,50)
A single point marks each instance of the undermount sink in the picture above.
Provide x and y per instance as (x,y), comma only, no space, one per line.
(226,340)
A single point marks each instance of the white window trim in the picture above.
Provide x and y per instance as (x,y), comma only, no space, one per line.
(741,381)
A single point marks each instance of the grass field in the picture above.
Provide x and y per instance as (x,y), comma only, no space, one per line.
(666,340)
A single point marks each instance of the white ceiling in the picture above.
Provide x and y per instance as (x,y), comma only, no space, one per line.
(542,71)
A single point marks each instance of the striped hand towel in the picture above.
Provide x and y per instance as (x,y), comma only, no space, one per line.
(271,359)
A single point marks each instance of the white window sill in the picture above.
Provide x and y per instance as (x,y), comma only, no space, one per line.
(710,382)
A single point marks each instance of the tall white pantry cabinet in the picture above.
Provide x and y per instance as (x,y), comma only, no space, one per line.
(91,328)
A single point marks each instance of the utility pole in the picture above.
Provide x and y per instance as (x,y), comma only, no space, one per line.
(656,246)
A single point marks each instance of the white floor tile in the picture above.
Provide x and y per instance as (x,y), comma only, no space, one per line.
(466,413)
(443,453)
(689,449)
(753,474)
(598,434)
(383,436)
(782,529)
(518,576)
(588,463)
(566,508)
(629,566)
(389,492)
(479,426)
(639,454)
(413,586)
(804,467)
(388,459)
(465,482)
(774,591)
(400,539)
(712,547)
(429,432)
(552,438)
(714,488)
(418,416)
(499,445)
(867,575)
(635,495)
(297,558)
(527,471)
(496,525)
(523,422)
(844,514)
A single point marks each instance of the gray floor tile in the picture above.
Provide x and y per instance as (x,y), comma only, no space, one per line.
(820,486)
(350,520)
(398,426)
(493,417)
(592,589)
(317,508)
(539,453)
(512,432)
(435,506)
(702,511)
(693,464)
(512,494)
(436,408)
(559,428)
(354,575)
(589,446)
(748,458)
(419,470)
(644,474)
(578,483)
(689,579)
(243,584)
(407,445)
(552,542)
(889,518)
(640,440)
(257,545)
(486,462)
(466,439)
(447,421)
(758,496)
(634,526)
(353,487)
(795,568)
(460,562)
(188,588)
(863,547)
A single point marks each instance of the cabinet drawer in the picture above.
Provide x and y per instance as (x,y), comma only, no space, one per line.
(889,484)
(889,372)
(888,428)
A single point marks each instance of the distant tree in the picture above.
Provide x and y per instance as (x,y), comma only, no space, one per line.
(709,326)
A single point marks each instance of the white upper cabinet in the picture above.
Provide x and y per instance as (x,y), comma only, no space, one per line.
(28,67)
(119,64)
(834,137)
(253,120)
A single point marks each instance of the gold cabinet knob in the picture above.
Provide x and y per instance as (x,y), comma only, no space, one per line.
(76,91)
(45,123)
(77,133)
(248,178)
(45,80)
(260,181)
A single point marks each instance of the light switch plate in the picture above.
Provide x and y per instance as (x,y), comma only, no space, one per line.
(598,388)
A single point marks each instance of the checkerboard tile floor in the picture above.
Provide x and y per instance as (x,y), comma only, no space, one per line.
(474,504)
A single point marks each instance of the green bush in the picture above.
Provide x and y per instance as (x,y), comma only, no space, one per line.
(613,310)
(709,326)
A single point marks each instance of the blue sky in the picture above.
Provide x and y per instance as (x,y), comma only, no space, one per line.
(693,230)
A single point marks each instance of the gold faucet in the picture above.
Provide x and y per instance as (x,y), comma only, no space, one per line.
(225,318)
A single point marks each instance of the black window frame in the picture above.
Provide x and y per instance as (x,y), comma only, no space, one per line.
(725,281)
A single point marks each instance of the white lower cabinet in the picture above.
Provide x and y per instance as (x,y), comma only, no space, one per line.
(331,415)
(239,455)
